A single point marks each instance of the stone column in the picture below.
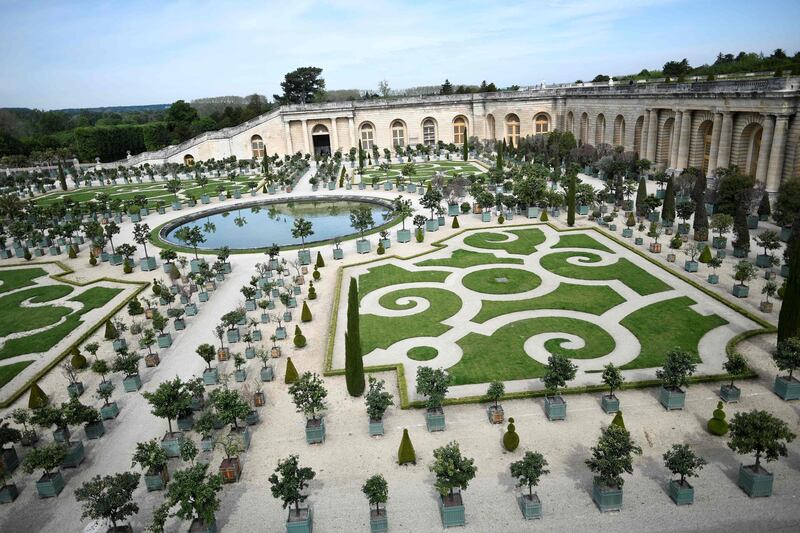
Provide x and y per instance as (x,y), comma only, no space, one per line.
(306,135)
(643,138)
(652,132)
(334,136)
(712,152)
(683,145)
(351,126)
(672,160)
(725,137)
(776,153)
(288,135)
(766,145)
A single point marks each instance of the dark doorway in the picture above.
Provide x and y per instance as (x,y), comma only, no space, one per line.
(322,144)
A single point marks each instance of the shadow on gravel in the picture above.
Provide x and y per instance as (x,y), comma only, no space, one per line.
(577,470)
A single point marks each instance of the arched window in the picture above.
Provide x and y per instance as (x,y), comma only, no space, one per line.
(459,130)
(398,134)
(257,145)
(188,160)
(512,129)
(367,136)
(490,132)
(541,124)
(600,130)
(319,129)
(570,122)
(429,131)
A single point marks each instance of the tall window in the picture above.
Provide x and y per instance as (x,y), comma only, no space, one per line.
(429,132)
(541,124)
(398,134)
(459,130)
(367,137)
(512,129)
(257,145)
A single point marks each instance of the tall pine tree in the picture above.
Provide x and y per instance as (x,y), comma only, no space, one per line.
(353,358)
(789,318)
(668,212)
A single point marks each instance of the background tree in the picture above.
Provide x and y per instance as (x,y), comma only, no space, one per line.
(109,497)
(761,433)
(300,86)
(288,482)
(529,469)
(354,362)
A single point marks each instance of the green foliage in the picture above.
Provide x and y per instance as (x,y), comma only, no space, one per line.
(571,200)
(678,366)
(299,341)
(195,494)
(376,490)
(452,470)
(320,262)
(544,217)
(682,460)
(789,318)
(46,458)
(289,480)
(705,255)
(207,352)
(37,398)
(308,394)
(559,370)
(109,497)
(455,224)
(612,377)
(496,391)
(717,425)
(150,456)
(419,235)
(618,420)
(78,360)
(316,274)
(529,469)
(761,433)
(787,355)
(354,364)
(432,383)
(377,399)
(764,208)
(613,456)
(406,453)
(230,405)
(668,212)
(735,365)
(169,400)
(641,196)
(111,332)
(744,271)
(312,292)
(291,372)
(510,437)
(300,86)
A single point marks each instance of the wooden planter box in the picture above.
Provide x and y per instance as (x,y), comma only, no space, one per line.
(375,427)
(362,246)
(757,483)
(230,470)
(156,480)
(730,394)
(75,390)
(75,455)
(607,498)
(655,247)
(787,389)
(741,291)
(434,420)
(555,407)
(609,403)
(165,340)
(9,459)
(315,431)
(531,507)
(223,354)
(151,360)
(240,375)
(251,419)
(302,523)
(671,399)
(681,494)
(495,414)
(50,485)
(451,510)
(185,423)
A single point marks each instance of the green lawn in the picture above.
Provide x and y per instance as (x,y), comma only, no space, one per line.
(501,281)
(16,278)
(579,240)
(385,275)
(594,299)
(422,353)
(43,341)
(9,372)
(623,270)
(14,318)
(525,244)
(665,325)
(468,258)
(502,355)
(424,171)
(382,332)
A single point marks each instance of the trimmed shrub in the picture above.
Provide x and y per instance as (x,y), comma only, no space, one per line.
(618,421)
(456,225)
(705,255)
(501,219)
(71,253)
(544,217)
(465,207)
(291,372)
(420,236)
(320,261)
(312,292)
(37,397)
(92,259)
(127,268)
(111,331)
(299,341)
(381,250)
(316,275)
(717,425)
(510,438)
(305,314)
(78,361)
(135,307)
(406,453)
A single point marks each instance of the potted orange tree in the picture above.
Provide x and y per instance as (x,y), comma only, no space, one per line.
(611,457)
(787,358)
(377,492)
(678,366)
(681,460)
(559,370)
(527,471)
(453,473)
(377,400)
(288,482)
(170,400)
(308,394)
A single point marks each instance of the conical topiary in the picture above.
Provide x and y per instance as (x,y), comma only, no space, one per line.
(631,222)
(111,331)
(717,425)
(456,225)
(320,261)
(510,438)
(305,314)
(618,421)
(37,397)
(406,453)
(544,217)
(705,255)
(291,372)
(312,292)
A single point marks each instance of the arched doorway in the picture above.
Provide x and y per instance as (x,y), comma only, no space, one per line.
(751,139)
(570,123)
(619,131)
(600,130)
(584,132)
(637,135)
(490,131)
(321,139)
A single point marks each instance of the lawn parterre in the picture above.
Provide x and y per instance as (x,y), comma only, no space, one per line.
(494,304)
(423,171)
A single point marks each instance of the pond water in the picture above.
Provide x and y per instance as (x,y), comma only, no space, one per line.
(261,226)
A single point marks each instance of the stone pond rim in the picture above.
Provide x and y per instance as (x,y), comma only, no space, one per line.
(158,236)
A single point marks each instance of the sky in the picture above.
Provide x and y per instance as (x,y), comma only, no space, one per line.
(67,54)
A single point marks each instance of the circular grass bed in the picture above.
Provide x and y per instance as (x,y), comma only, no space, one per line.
(501,281)
(422,353)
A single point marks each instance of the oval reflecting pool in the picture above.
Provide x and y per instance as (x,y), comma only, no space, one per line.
(259,226)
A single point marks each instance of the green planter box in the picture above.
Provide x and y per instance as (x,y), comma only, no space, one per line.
(338,253)
(453,513)
(609,403)
(627,233)
(486,216)
(252,418)
(555,407)
(233,335)
(740,253)
(362,246)
(300,524)
(243,436)
(531,507)
(75,455)
(210,377)
(304,256)
(533,212)
(147,263)
(763,261)
(119,345)
(190,309)
(202,296)
(403,235)
(756,483)
(110,411)
(432,224)
(8,493)
(171,443)
(198,526)
(75,390)
(681,494)
(240,375)
(434,420)
(165,340)
(671,399)
(375,427)
(315,431)
(719,243)
(638,241)
(94,430)
(185,423)
(713,279)
(9,459)
(280,333)
(132,383)
(607,498)
(730,394)
(378,523)
(787,389)
(690,266)
(267,374)
(250,305)
(61,435)
(50,485)
(156,481)
(740,291)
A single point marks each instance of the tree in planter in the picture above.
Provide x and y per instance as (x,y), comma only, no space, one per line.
(402,208)
(736,366)
(301,230)
(289,481)
(170,400)
(721,223)
(377,399)
(787,356)
(308,394)
(191,236)
(195,494)
(769,241)
(431,200)
(110,230)
(452,471)
(206,352)
(22,416)
(354,363)
(678,366)
(141,234)
(109,498)
(764,209)
(761,433)
(768,290)
(681,460)
(613,378)
(361,219)
(433,384)
(230,406)
(529,470)
(127,363)
(377,491)
(495,392)
(148,339)
(613,456)
(46,458)
(150,456)
(559,370)
(744,271)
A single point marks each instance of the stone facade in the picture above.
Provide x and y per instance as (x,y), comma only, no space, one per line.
(751,123)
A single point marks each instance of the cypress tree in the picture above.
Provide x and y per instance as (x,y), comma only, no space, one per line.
(353,358)
(37,397)
(740,229)
(641,196)
(700,223)
(465,147)
(291,372)
(789,318)
(406,453)
(668,211)
(571,201)
(320,263)
(764,209)
(62,179)
(111,331)
(305,315)
(500,147)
